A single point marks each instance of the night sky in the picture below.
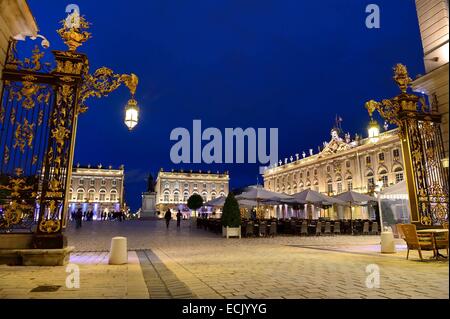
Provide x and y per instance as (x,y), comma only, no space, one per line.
(292,64)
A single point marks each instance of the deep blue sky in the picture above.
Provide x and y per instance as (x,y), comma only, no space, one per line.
(231,63)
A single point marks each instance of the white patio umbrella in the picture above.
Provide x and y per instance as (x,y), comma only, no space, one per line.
(216,202)
(355,198)
(310,196)
(263,196)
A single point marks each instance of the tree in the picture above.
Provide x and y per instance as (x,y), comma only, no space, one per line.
(195,202)
(231,215)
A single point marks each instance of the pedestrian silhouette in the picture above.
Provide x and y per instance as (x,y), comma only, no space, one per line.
(168,217)
(179,215)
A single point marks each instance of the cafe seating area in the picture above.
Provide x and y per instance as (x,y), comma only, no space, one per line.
(296,227)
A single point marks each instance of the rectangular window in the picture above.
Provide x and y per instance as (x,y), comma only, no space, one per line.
(328,169)
(92,182)
(370,183)
(114,182)
(339,187)
(347,164)
(102,197)
(315,171)
(368,160)
(81,181)
(385,180)
(330,188)
(113,197)
(91,196)
(398,177)
(166,198)
(396,153)
(381,157)
(349,185)
(103,181)
(195,185)
(80,196)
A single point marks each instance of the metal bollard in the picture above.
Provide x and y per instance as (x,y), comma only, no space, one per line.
(118,254)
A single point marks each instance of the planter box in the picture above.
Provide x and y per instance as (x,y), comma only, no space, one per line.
(231,232)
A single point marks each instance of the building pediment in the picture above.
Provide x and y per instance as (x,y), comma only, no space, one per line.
(334,146)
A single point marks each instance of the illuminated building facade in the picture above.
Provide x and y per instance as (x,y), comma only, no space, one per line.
(97,189)
(174,188)
(342,164)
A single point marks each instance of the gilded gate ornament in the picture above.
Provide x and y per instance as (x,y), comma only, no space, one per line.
(47,100)
(23,135)
(423,146)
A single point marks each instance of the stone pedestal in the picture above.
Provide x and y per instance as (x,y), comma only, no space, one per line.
(148,209)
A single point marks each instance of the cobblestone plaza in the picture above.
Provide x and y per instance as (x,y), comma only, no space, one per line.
(194,263)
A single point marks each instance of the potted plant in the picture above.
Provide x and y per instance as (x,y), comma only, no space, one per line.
(194,202)
(231,217)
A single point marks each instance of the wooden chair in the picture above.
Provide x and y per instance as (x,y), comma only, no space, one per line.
(304,229)
(273,229)
(337,228)
(319,229)
(366,228)
(374,230)
(327,228)
(249,230)
(416,241)
(262,229)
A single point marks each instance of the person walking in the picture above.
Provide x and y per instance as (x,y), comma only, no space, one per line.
(179,215)
(78,218)
(168,217)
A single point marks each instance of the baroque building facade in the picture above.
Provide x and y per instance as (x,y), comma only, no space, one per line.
(97,189)
(175,187)
(343,164)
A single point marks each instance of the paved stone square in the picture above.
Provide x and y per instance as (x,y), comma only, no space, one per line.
(194,263)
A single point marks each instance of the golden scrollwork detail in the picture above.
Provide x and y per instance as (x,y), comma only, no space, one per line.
(6,155)
(28,92)
(103,82)
(24,135)
(60,134)
(16,210)
(50,226)
(2,114)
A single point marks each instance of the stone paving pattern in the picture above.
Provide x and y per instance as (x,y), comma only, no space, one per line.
(194,263)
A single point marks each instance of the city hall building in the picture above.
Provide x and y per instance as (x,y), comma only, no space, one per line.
(98,189)
(342,164)
(175,187)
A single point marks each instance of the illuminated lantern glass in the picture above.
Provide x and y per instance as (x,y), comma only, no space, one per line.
(131,114)
(373,130)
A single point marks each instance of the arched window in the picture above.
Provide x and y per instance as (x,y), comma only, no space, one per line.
(176,197)
(113,195)
(204,197)
(80,194)
(398,174)
(213,195)
(349,182)
(185,196)
(166,196)
(384,177)
(71,194)
(102,195)
(91,193)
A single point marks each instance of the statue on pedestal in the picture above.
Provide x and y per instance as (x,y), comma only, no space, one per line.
(150,184)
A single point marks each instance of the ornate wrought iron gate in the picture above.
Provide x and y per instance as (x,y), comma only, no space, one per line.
(422,148)
(39,106)
(37,124)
